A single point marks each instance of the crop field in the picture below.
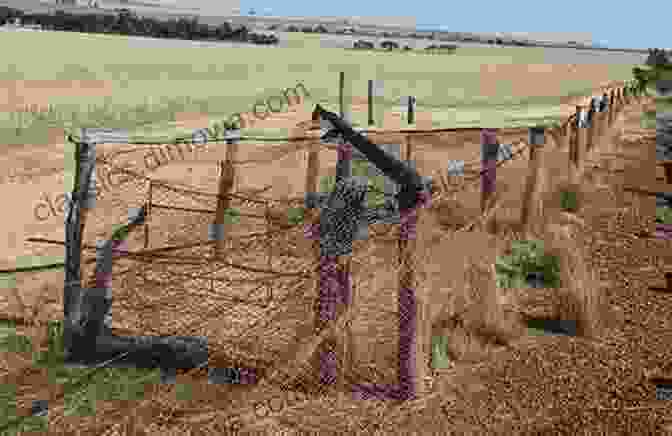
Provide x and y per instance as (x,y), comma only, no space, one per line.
(119,82)
(489,356)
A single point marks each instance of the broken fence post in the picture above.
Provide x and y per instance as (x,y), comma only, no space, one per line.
(489,151)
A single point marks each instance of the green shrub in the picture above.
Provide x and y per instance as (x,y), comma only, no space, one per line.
(568,201)
(232,216)
(296,215)
(440,357)
(527,257)
(664,214)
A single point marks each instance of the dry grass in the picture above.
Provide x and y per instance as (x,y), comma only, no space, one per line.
(580,295)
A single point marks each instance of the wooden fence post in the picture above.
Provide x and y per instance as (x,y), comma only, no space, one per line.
(592,126)
(149,211)
(530,200)
(581,138)
(668,172)
(341,97)
(227,174)
(489,150)
(602,120)
(411,109)
(370,99)
(574,147)
(414,331)
(612,109)
(77,207)
(344,341)
(409,149)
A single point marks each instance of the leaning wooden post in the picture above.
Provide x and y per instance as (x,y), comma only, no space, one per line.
(612,109)
(227,177)
(574,129)
(148,206)
(414,329)
(536,142)
(602,119)
(79,202)
(489,150)
(592,125)
(581,139)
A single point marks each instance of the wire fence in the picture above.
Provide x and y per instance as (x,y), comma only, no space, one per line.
(266,270)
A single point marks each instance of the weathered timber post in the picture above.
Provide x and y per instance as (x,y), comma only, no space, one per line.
(411,193)
(530,200)
(414,329)
(489,150)
(148,207)
(612,109)
(341,97)
(573,133)
(79,202)
(370,100)
(227,176)
(592,126)
(604,110)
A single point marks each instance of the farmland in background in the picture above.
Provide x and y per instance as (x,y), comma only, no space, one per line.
(133,82)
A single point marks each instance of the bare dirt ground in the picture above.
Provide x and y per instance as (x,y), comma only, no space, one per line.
(559,384)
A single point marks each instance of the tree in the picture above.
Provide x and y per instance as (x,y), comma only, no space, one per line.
(657,57)
(389,45)
(361,44)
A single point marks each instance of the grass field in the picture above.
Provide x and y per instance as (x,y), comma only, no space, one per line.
(152,85)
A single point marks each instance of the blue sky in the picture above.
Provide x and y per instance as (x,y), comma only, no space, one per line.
(604,22)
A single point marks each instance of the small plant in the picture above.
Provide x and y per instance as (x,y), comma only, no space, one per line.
(440,357)
(527,257)
(664,215)
(232,216)
(296,215)
(568,201)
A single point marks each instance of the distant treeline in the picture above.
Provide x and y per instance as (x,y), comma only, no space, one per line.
(125,22)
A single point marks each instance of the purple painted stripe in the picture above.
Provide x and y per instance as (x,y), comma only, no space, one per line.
(488,136)
(248,376)
(663,235)
(329,296)
(488,175)
(328,366)
(663,227)
(344,151)
(104,279)
(311,231)
(329,288)
(375,392)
